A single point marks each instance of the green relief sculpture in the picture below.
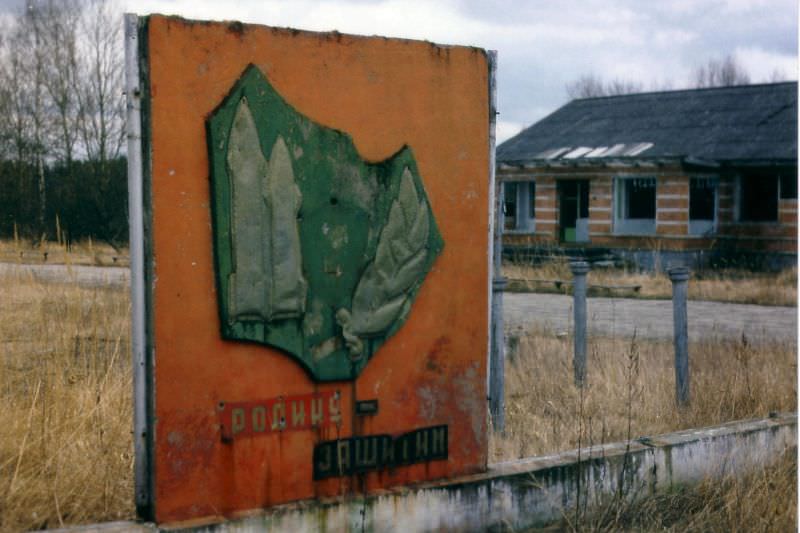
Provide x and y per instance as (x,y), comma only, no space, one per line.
(318,252)
(266,281)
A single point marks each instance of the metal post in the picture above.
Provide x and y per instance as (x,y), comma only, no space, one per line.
(496,333)
(680,277)
(579,270)
(497,406)
(136,241)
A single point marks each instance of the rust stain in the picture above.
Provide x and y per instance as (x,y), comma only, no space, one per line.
(439,352)
(237,28)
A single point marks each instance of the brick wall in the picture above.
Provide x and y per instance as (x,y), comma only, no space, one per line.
(601,207)
(672,205)
(672,213)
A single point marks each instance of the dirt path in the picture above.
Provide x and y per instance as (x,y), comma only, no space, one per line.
(652,318)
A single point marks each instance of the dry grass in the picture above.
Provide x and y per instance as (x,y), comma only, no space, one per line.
(65,431)
(630,393)
(764,501)
(633,381)
(86,252)
(65,426)
(738,286)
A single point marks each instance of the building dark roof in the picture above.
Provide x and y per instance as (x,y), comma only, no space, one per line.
(746,123)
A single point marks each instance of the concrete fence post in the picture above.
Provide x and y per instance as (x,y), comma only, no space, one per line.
(579,270)
(680,277)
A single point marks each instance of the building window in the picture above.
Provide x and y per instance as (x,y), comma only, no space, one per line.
(532,200)
(510,204)
(758,197)
(519,207)
(788,186)
(702,205)
(635,201)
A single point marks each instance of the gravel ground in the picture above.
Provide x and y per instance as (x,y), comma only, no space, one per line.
(651,318)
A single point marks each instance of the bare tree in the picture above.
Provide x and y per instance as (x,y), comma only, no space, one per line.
(27,57)
(591,86)
(100,83)
(714,73)
(720,73)
(59,21)
(101,105)
(587,86)
(777,75)
(61,70)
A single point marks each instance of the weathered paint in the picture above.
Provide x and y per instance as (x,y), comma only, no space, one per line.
(293,413)
(532,492)
(384,94)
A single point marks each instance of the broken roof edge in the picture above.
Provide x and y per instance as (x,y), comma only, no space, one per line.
(629,162)
(591,162)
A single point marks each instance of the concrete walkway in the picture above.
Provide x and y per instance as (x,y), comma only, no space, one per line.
(651,318)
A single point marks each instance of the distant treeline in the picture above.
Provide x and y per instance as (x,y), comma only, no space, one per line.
(84,199)
(62,170)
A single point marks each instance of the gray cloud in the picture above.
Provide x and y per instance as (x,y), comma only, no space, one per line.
(543,45)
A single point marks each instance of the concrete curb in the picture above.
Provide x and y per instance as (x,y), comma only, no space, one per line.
(525,493)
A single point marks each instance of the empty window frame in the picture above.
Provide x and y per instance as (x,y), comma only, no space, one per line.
(702,205)
(635,205)
(788,185)
(519,205)
(510,204)
(757,197)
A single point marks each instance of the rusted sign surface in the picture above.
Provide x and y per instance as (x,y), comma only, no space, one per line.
(257,370)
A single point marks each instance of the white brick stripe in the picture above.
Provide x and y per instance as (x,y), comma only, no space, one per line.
(672,196)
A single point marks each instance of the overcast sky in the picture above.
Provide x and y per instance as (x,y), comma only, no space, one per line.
(544,44)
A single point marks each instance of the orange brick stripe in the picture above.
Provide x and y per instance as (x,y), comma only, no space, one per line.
(662,216)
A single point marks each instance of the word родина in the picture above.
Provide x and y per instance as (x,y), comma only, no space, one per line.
(285,413)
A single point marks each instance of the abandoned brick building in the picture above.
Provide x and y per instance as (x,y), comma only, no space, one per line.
(678,177)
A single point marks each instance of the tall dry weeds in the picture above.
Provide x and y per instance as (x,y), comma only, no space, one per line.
(763,500)
(83,252)
(730,380)
(65,381)
(734,286)
(630,392)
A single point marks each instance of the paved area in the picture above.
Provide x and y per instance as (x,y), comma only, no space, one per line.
(87,276)
(607,316)
(651,318)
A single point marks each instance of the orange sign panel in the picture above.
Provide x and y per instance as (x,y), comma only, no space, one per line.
(316,244)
